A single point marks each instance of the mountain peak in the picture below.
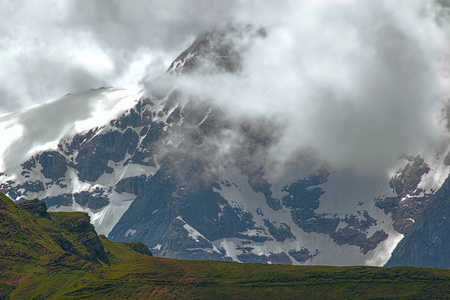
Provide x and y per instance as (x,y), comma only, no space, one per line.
(218,47)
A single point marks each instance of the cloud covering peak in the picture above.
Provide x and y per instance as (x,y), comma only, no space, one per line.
(356,82)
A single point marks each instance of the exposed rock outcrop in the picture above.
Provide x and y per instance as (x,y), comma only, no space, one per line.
(35,207)
(427,243)
(410,200)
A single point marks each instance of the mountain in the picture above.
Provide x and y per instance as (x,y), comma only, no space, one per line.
(59,256)
(428,241)
(175,172)
(50,153)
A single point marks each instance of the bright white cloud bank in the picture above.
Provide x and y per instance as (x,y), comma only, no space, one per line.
(359,82)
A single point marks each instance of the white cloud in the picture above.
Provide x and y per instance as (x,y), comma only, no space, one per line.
(358,81)
(50,48)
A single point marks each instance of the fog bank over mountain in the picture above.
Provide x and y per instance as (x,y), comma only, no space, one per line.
(357,83)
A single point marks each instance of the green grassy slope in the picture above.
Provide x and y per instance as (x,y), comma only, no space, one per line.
(33,265)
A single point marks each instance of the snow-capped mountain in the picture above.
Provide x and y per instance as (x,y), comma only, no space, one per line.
(43,150)
(177,174)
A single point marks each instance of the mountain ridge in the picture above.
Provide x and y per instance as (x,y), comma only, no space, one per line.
(217,196)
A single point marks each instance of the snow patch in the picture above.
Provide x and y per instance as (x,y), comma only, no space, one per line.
(192,232)
(230,249)
(41,127)
(130,232)
(244,197)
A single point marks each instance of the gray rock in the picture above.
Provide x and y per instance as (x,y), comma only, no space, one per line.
(35,207)
(427,244)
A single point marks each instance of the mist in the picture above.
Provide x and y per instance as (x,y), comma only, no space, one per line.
(357,83)
(55,47)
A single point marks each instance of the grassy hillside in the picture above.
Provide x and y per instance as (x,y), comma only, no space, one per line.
(58,255)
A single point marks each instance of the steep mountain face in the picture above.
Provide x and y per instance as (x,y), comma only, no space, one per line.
(175,173)
(428,241)
(65,153)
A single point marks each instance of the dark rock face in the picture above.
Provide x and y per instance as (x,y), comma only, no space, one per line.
(18,191)
(318,223)
(82,225)
(410,200)
(33,186)
(133,185)
(92,160)
(87,236)
(54,165)
(406,181)
(302,255)
(60,200)
(355,237)
(139,248)
(94,200)
(427,243)
(355,233)
(359,223)
(82,198)
(280,233)
(35,207)
(65,244)
(94,246)
(28,166)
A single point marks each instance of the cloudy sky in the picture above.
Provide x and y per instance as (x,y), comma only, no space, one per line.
(358,82)
(53,47)
(340,74)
